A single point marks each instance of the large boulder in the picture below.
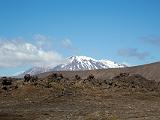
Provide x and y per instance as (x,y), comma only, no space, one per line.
(6,81)
(27,77)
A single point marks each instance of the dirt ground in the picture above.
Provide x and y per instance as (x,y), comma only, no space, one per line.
(78,101)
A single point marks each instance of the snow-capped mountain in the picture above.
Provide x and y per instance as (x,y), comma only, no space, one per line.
(36,70)
(76,63)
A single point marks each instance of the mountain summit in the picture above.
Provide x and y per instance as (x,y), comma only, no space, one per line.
(76,63)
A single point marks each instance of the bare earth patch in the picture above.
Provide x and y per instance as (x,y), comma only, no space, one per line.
(122,98)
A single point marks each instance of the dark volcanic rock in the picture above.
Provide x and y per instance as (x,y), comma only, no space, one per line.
(129,81)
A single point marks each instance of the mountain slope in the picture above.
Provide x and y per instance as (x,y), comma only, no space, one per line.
(75,63)
(35,70)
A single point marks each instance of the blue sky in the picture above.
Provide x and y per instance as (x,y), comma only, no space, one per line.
(125,31)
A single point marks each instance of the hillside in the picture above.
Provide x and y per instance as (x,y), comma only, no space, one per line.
(58,97)
(150,71)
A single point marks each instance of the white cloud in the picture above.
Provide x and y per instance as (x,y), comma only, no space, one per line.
(153,40)
(42,41)
(67,44)
(15,53)
(133,52)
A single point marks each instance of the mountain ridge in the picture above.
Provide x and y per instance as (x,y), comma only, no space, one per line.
(75,63)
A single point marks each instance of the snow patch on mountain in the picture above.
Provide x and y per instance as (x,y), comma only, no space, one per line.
(76,63)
